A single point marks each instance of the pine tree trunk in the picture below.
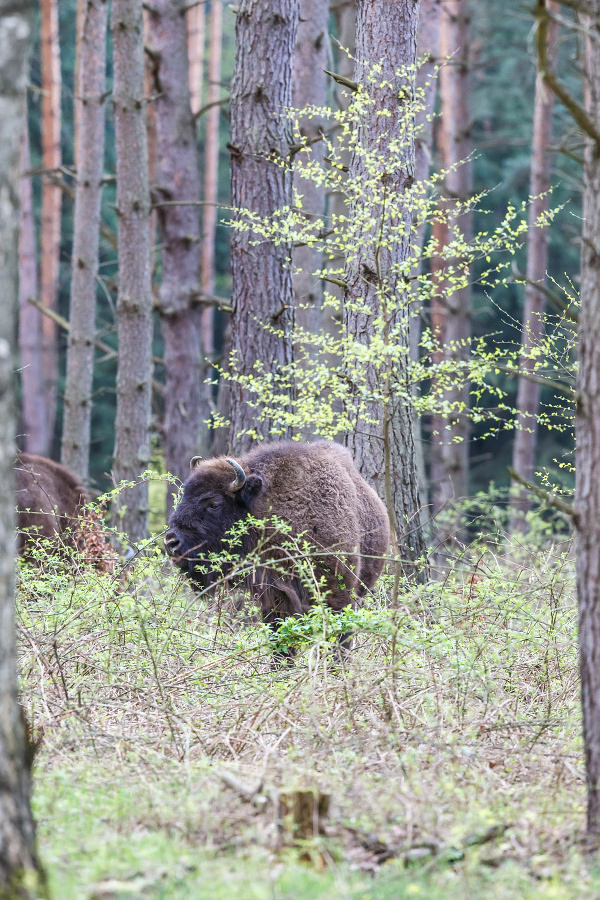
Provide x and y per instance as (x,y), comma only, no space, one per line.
(588,436)
(195,22)
(186,394)
(51,207)
(382,442)
(30,325)
(134,305)
(211,173)
(528,395)
(20,872)
(86,229)
(79,25)
(261,181)
(451,311)
(427,53)
(310,89)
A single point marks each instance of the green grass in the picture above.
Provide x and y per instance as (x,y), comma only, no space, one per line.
(456,713)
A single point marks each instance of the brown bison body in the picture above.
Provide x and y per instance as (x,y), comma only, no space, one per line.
(316,490)
(49,500)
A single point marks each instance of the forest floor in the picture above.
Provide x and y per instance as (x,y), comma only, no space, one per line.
(446,744)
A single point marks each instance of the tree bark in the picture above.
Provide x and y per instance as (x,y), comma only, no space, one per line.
(261,182)
(79,26)
(195,21)
(134,305)
(587,491)
(211,173)
(310,89)
(86,232)
(187,400)
(51,207)
(427,53)
(451,310)
(528,394)
(20,872)
(376,304)
(30,325)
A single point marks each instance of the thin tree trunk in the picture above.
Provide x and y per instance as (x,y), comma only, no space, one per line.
(195,21)
(261,181)
(86,232)
(451,310)
(134,305)
(21,876)
(310,90)
(79,25)
(30,325)
(528,395)
(428,53)
(376,304)
(211,173)
(51,206)
(186,394)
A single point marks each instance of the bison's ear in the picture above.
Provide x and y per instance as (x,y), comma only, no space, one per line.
(251,489)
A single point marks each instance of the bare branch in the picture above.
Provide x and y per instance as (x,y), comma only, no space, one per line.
(548,497)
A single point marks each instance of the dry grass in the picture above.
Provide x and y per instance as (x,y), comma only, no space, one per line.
(448,741)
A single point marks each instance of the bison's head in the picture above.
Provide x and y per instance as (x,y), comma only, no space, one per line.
(217,494)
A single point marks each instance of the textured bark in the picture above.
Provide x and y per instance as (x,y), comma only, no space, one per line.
(134,305)
(310,89)
(86,230)
(20,873)
(451,310)
(382,442)
(528,395)
(588,435)
(30,325)
(262,183)
(211,173)
(195,21)
(427,54)
(51,207)
(79,25)
(186,395)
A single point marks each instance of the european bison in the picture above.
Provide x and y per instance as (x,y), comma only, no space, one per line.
(49,501)
(312,487)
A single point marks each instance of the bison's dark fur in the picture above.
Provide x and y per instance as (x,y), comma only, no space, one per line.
(49,500)
(313,487)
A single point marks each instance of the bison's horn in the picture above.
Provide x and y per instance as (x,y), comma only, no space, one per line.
(194,461)
(240,475)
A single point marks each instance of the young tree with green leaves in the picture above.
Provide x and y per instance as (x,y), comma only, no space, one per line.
(376,302)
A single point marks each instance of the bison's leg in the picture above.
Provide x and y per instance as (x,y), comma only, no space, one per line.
(279,600)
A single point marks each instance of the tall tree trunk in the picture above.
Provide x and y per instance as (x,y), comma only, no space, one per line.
(211,172)
(30,325)
(451,310)
(186,395)
(587,492)
(79,25)
(427,53)
(51,206)
(376,304)
(528,394)
(310,90)
(134,305)
(20,872)
(261,181)
(195,21)
(86,230)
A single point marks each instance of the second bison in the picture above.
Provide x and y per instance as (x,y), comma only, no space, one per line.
(314,489)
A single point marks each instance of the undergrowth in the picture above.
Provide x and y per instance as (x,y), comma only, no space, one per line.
(448,739)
